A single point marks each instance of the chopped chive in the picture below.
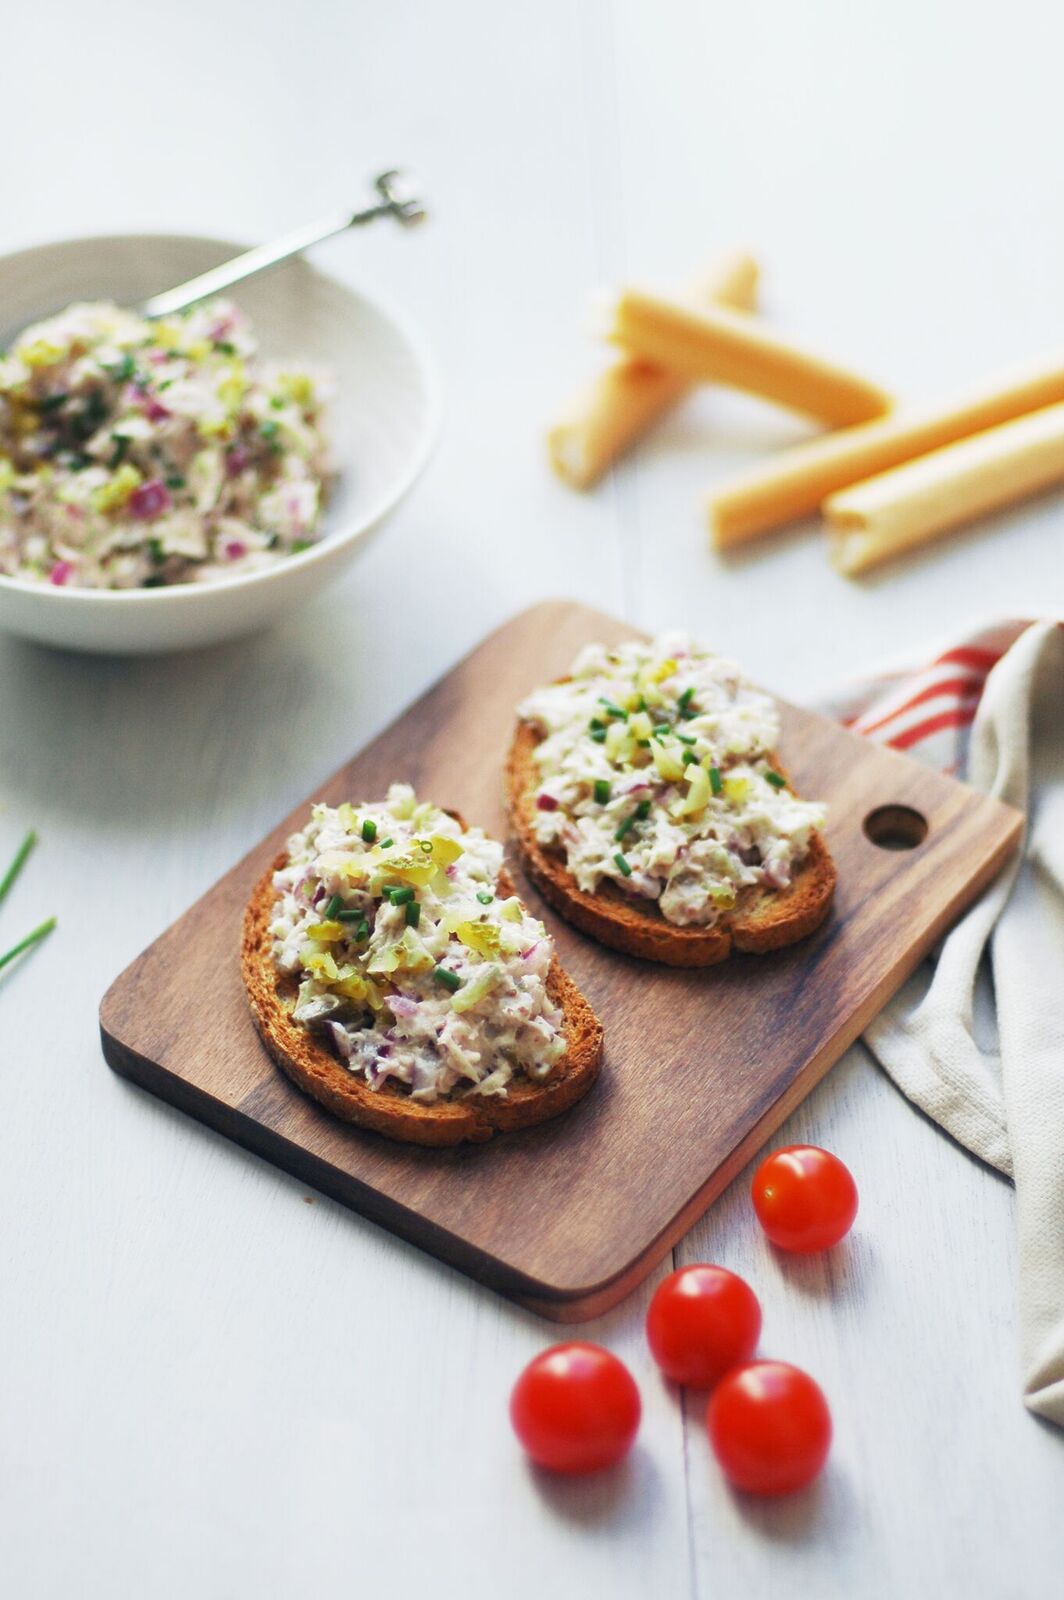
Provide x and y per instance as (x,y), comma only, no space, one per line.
(642,810)
(602,791)
(268,429)
(278,402)
(626,827)
(335,904)
(450,980)
(369,830)
(226,346)
(386,844)
(614,711)
(644,744)
(686,738)
(413,913)
(121,446)
(685,699)
(641,703)
(175,481)
(348,916)
(157,551)
(425,846)
(599,735)
(689,757)
(52,402)
(19,862)
(596,724)
(776,780)
(90,416)
(30,939)
(120,371)
(485,897)
(716,783)
(660,728)
(622,863)
(402,895)
(299,545)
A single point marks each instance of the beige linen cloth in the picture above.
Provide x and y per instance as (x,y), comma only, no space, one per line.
(976,1037)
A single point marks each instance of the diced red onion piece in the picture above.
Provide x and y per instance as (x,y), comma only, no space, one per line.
(151,499)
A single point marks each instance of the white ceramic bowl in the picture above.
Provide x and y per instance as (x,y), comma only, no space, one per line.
(381,423)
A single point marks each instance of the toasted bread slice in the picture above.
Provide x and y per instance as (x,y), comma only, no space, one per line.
(762,920)
(466,1117)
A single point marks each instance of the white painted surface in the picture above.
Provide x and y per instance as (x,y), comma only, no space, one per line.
(208,1386)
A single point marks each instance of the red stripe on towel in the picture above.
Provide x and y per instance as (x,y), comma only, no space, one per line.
(958,717)
(959,688)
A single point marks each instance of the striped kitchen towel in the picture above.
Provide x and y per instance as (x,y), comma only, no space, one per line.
(928,711)
(976,1037)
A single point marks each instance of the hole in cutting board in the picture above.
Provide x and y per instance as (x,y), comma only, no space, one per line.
(895,827)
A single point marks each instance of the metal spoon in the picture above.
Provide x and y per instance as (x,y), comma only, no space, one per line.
(396,199)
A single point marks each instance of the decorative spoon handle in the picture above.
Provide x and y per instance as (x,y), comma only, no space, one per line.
(395,199)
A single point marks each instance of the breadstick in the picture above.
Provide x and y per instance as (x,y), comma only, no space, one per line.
(874,521)
(717,345)
(630,396)
(795,482)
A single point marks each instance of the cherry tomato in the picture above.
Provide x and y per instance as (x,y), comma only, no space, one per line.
(575,1408)
(804,1197)
(702,1320)
(769,1426)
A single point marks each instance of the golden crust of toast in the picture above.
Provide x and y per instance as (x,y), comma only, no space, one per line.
(390,1110)
(762,919)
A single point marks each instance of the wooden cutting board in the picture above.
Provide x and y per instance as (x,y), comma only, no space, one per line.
(700,1067)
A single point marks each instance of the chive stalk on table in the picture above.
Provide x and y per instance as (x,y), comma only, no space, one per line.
(6,884)
(21,855)
(31,939)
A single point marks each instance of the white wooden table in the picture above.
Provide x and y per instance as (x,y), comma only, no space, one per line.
(213,1383)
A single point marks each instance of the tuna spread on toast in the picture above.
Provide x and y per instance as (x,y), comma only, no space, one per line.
(656,774)
(414,960)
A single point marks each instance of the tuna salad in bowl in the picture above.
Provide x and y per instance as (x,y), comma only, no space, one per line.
(169,483)
(135,454)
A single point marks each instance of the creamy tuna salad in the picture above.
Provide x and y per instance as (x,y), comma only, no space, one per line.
(136,454)
(410,962)
(657,777)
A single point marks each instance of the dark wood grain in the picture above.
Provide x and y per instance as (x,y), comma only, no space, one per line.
(700,1066)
